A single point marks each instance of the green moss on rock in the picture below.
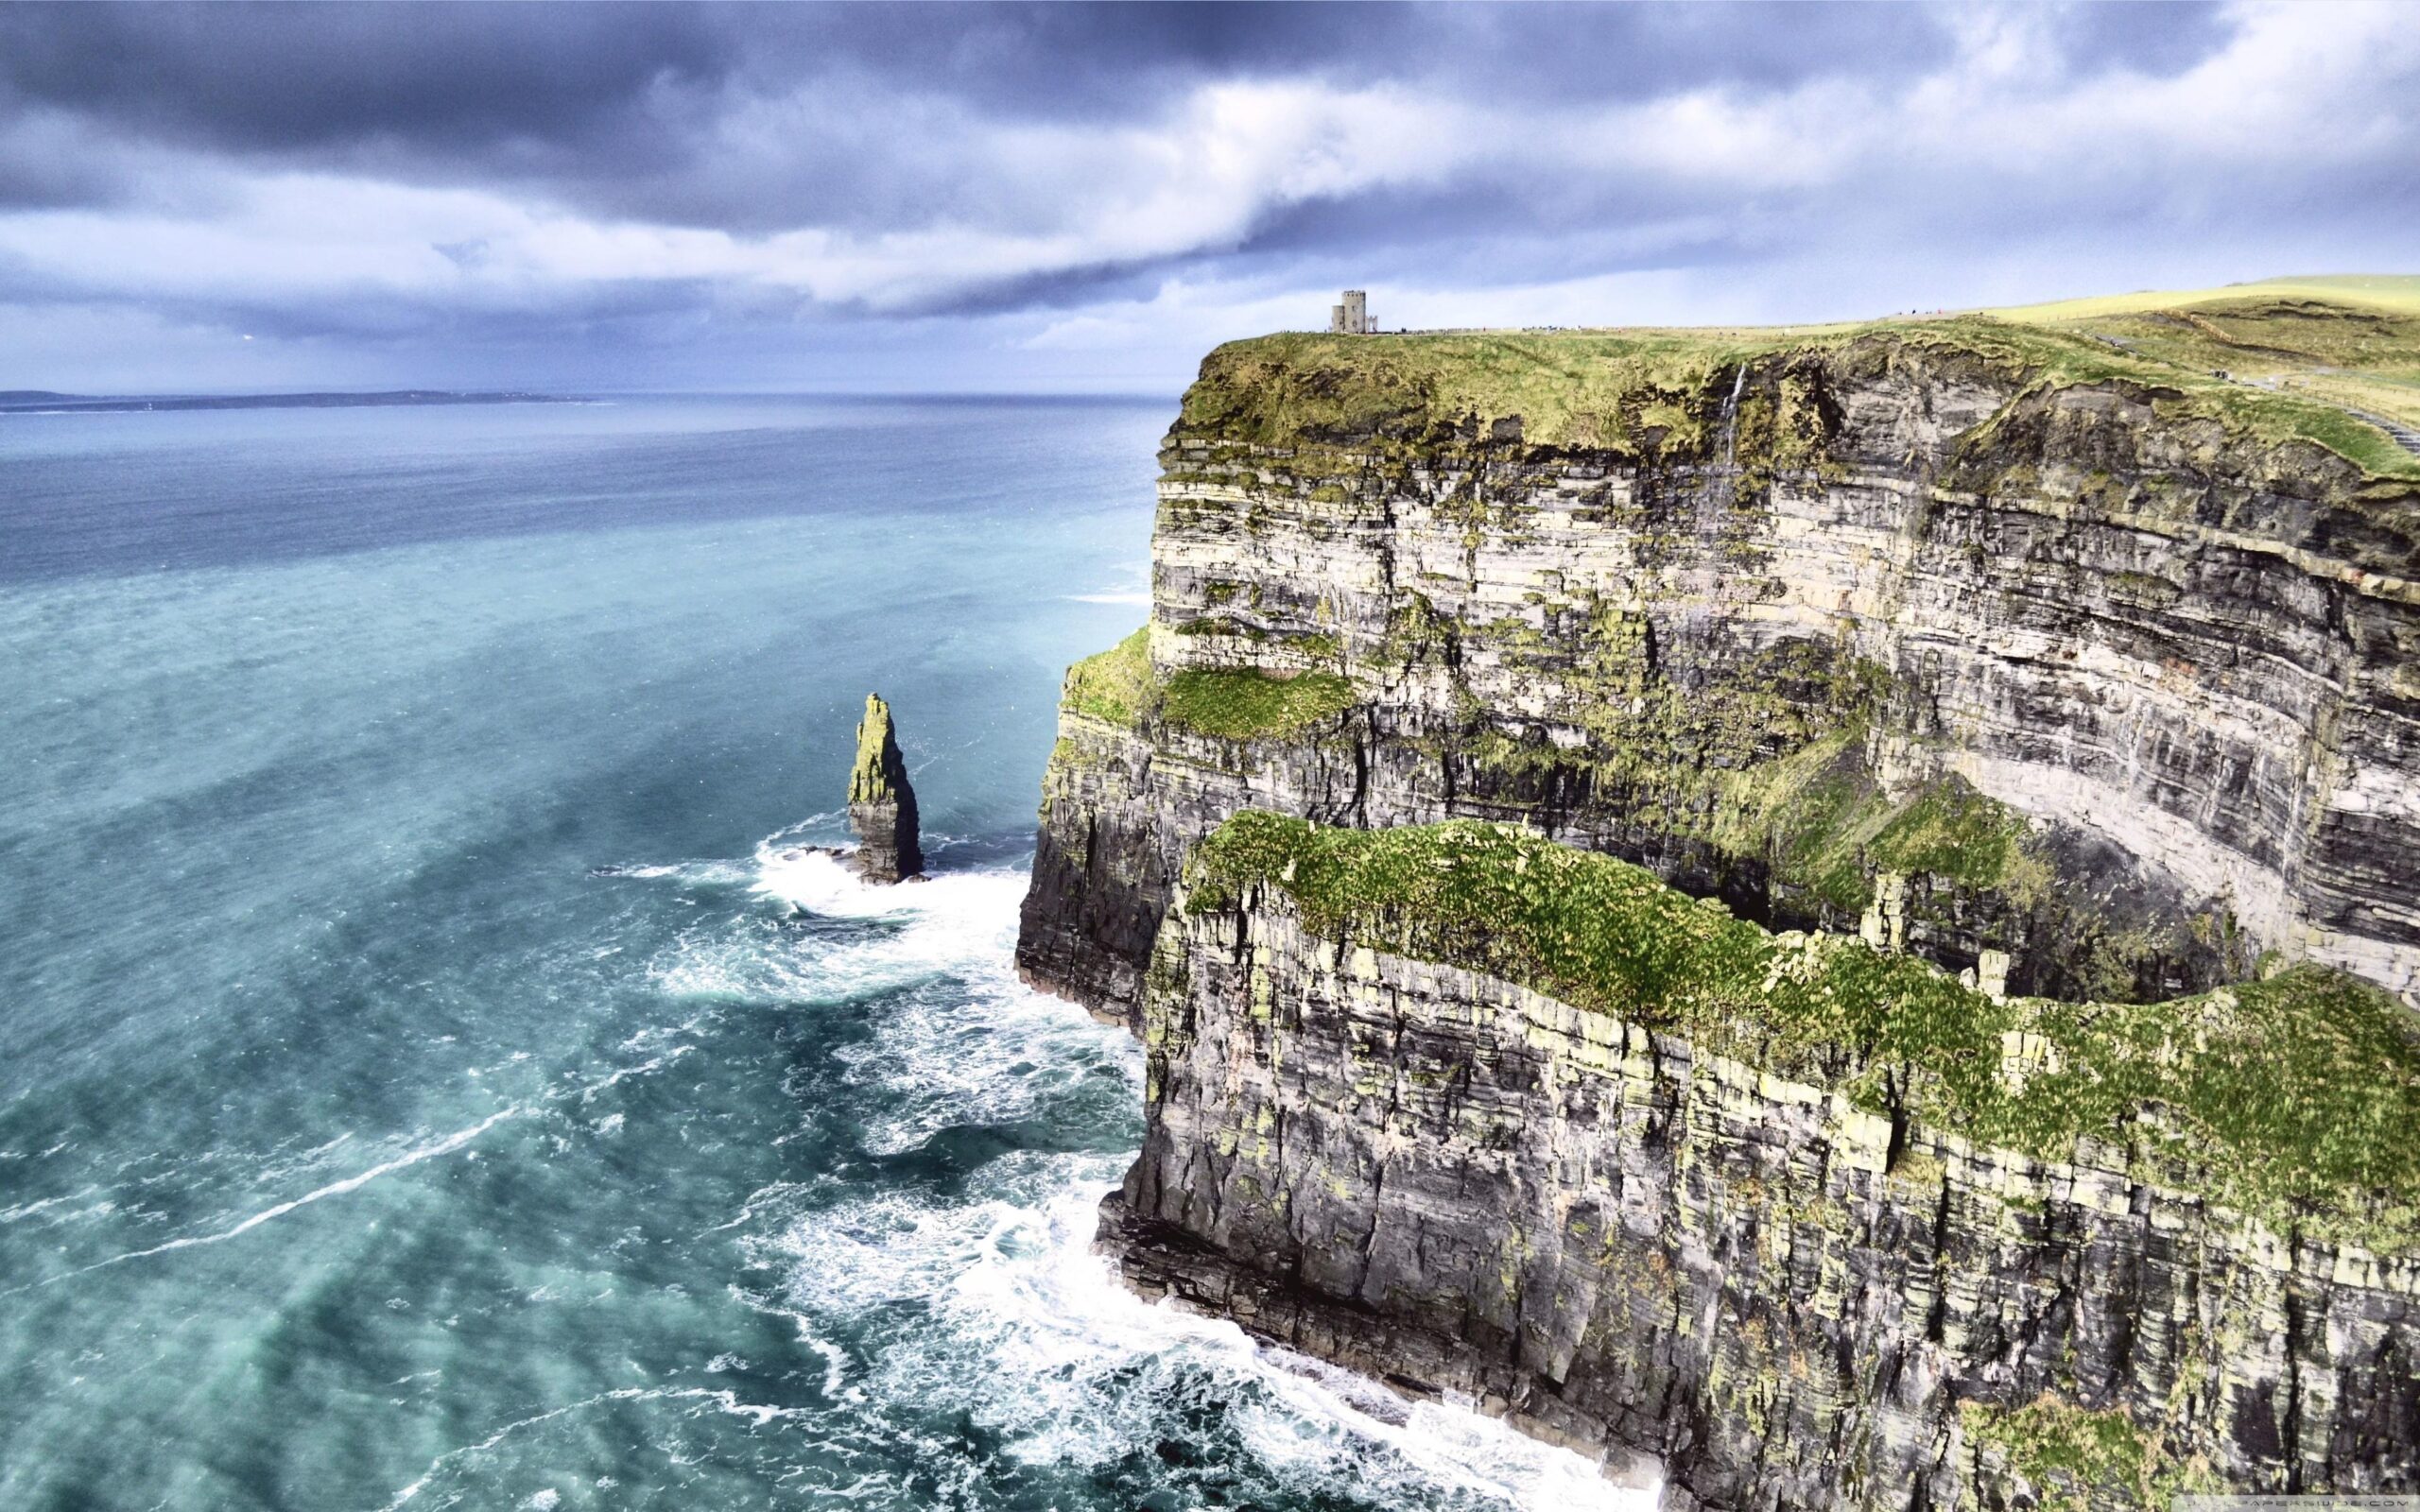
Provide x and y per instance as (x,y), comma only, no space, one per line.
(1950,830)
(2293,1097)
(878,756)
(2074,1458)
(1823,822)
(1120,686)
(1670,746)
(1765,759)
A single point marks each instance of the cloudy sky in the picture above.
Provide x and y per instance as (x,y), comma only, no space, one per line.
(931,197)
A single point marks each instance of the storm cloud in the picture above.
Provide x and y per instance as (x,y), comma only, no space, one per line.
(916,196)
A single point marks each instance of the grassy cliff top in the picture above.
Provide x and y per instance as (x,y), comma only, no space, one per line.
(2296,1094)
(2353,342)
(2302,358)
(2393,292)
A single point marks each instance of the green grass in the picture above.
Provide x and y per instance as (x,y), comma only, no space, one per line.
(1232,704)
(1765,760)
(2310,345)
(2293,1097)
(1821,819)
(1116,685)
(2392,291)
(2065,1451)
(1636,392)
(1950,829)
(1617,390)
(1245,703)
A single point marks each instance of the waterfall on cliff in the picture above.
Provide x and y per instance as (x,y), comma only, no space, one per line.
(1731,423)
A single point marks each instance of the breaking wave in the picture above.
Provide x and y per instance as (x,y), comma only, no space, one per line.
(979,1301)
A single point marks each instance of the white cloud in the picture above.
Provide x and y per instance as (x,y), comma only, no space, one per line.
(2000,150)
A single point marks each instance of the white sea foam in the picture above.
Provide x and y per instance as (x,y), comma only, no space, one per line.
(836,1364)
(620,1074)
(30,1210)
(707,1400)
(989,1052)
(282,1167)
(991,1303)
(1022,1327)
(959,924)
(993,1056)
(334,1189)
(1033,1335)
(646,1039)
(711,873)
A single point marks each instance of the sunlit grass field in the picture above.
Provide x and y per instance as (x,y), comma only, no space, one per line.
(2331,360)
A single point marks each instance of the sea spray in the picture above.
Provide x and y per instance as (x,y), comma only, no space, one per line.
(1024,1329)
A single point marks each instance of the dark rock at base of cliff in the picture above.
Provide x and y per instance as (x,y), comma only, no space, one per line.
(1088,920)
(882,805)
(887,849)
(1160,1260)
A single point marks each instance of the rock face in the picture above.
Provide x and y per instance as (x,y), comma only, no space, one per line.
(1993,650)
(882,805)
(1634,1247)
(2110,688)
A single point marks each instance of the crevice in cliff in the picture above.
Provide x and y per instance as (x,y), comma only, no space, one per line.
(2289,1426)
(1937,1315)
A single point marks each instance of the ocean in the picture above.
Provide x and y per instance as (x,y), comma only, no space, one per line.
(423,1081)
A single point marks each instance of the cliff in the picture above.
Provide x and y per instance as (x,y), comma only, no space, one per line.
(2038,646)
(1808,1224)
(2025,651)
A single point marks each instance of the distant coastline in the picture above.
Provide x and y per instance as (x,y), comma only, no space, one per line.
(20,401)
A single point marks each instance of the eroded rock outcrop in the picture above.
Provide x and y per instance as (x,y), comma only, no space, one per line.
(882,803)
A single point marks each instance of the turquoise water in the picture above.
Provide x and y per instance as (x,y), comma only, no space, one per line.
(422,1081)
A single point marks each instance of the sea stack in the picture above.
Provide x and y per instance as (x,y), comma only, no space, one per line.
(882,807)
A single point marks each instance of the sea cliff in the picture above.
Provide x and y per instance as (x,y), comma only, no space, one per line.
(1806,1223)
(2053,672)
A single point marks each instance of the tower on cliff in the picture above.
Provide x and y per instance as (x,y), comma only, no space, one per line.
(1352,318)
(882,806)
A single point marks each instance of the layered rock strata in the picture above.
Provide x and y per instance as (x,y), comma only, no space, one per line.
(882,803)
(1760,628)
(1951,642)
(1676,1259)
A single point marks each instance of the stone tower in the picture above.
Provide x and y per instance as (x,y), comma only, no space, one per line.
(882,807)
(1352,318)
